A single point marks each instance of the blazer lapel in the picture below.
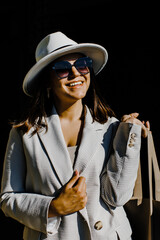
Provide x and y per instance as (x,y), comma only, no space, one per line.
(55,146)
(91,137)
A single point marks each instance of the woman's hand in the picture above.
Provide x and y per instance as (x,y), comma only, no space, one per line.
(72,198)
(132,118)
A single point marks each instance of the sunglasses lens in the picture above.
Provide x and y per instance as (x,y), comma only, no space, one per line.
(62,69)
(83,69)
(83,64)
(62,73)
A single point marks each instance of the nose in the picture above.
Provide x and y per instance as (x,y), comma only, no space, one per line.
(75,72)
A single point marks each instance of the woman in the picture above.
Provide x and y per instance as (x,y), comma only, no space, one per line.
(70,165)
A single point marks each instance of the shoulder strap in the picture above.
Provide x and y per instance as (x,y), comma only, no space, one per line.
(153,159)
(137,192)
(149,143)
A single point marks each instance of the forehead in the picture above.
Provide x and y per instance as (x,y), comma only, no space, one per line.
(70,57)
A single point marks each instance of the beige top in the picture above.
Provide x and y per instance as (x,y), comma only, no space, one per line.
(73,153)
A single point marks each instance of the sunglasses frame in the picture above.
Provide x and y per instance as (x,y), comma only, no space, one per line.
(89,62)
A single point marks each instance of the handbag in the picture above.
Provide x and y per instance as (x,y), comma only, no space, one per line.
(144,213)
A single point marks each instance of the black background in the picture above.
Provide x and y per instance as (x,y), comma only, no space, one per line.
(129,30)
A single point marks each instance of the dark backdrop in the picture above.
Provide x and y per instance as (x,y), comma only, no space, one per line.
(129,30)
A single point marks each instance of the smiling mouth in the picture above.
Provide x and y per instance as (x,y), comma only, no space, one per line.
(73,84)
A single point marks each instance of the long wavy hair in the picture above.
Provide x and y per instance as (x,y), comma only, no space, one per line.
(40,105)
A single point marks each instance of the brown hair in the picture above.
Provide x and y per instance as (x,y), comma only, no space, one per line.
(40,105)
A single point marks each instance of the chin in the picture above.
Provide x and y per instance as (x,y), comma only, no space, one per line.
(80,96)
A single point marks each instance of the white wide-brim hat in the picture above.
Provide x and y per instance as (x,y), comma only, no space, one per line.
(56,45)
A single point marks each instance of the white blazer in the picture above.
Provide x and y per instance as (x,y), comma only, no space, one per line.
(35,168)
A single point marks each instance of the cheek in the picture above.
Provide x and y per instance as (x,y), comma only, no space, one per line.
(55,83)
(88,81)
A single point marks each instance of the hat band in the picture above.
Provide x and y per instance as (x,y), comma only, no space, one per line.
(55,51)
(60,48)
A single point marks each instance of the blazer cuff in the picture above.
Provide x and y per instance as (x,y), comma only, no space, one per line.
(130,135)
(53,225)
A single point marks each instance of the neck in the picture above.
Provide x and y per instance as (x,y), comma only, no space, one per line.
(70,112)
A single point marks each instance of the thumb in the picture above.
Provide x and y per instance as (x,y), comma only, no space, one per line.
(73,180)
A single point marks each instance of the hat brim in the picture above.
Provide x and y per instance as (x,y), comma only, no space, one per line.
(98,54)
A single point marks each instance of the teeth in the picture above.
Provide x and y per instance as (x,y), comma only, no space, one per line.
(75,83)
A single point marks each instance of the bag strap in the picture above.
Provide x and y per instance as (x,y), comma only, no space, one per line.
(137,192)
(153,160)
(149,143)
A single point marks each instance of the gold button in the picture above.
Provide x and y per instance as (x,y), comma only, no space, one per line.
(131,141)
(133,135)
(98,225)
(130,144)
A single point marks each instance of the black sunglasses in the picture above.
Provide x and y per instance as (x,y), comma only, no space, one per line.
(63,69)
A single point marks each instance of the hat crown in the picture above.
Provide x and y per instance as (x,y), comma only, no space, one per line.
(51,43)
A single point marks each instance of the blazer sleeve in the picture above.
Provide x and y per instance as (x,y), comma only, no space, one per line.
(30,209)
(119,175)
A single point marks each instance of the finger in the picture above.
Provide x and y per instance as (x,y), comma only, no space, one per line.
(81,184)
(73,180)
(148,125)
(125,117)
(135,115)
(145,131)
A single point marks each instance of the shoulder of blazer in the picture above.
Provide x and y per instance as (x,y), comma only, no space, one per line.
(112,123)
(96,125)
